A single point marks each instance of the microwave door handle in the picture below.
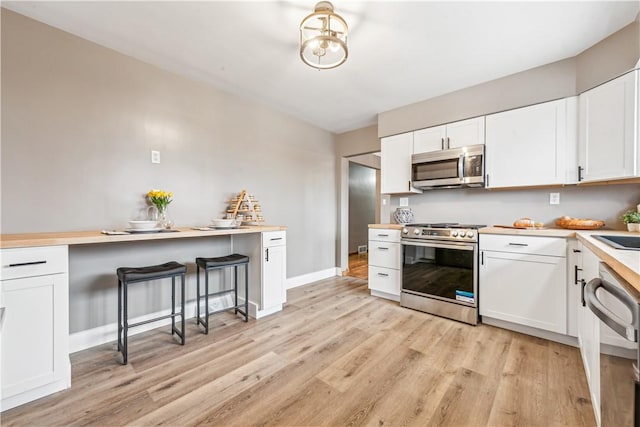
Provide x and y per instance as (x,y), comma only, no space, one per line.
(461,167)
(628,331)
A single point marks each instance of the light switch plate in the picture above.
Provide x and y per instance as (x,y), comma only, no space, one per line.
(155,156)
(554,198)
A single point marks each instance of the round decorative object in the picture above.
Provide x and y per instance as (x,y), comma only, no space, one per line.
(403,216)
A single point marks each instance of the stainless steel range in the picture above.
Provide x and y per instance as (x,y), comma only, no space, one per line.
(440,270)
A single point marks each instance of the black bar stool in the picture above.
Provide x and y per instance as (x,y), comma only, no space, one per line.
(209,264)
(129,275)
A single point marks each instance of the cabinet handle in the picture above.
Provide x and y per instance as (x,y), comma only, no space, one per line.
(2,310)
(22,264)
(266,254)
(518,244)
(442,143)
(575,274)
(583,283)
(487,181)
(409,185)
(276,238)
(448,144)
(382,248)
(580,169)
(482,258)
(383,235)
(383,275)
(577,251)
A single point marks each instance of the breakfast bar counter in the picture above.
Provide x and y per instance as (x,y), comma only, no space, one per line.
(24,240)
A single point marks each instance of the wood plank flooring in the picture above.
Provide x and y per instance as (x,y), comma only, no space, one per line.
(359,266)
(334,356)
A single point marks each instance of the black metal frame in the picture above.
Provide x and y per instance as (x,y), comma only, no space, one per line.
(237,307)
(123,327)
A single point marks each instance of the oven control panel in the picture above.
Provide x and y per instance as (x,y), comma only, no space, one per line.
(439,233)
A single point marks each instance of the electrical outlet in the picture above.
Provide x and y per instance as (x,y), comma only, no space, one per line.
(554,198)
(155,156)
(404,201)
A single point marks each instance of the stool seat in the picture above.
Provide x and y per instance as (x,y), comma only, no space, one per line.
(134,274)
(221,261)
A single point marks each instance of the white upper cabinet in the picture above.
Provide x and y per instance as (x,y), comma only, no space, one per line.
(531,146)
(451,135)
(395,170)
(607,134)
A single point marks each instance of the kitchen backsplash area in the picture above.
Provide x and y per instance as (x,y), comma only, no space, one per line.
(491,207)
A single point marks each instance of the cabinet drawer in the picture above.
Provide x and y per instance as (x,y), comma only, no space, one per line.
(384,280)
(384,254)
(274,238)
(384,235)
(551,246)
(37,261)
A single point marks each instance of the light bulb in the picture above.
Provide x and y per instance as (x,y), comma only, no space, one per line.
(334,47)
(319,51)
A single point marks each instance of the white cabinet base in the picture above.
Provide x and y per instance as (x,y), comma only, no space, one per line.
(385,295)
(528,330)
(37,393)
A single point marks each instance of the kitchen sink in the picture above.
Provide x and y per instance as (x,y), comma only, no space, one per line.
(631,243)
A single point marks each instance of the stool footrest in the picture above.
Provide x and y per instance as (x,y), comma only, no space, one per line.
(155,319)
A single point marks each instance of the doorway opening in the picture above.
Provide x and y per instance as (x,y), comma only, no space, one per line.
(364,209)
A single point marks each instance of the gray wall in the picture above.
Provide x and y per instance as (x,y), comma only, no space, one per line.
(491,207)
(79,122)
(362,204)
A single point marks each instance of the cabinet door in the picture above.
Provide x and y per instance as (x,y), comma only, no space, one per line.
(529,290)
(395,171)
(430,139)
(465,132)
(274,273)
(34,335)
(607,129)
(527,146)
(588,329)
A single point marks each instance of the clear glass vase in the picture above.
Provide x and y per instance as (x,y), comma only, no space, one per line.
(160,214)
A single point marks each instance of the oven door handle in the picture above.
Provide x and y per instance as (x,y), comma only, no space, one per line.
(459,246)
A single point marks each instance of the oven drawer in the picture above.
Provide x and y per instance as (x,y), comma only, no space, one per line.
(533,245)
(384,235)
(384,280)
(384,254)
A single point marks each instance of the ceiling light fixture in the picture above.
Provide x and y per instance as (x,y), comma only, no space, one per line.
(323,38)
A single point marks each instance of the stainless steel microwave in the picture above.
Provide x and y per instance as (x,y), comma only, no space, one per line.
(456,167)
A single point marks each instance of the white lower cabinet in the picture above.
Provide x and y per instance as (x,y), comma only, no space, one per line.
(523,281)
(274,269)
(34,349)
(385,263)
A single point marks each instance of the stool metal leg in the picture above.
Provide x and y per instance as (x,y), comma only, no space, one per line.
(246,292)
(206,301)
(235,287)
(173,304)
(125,328)
(119,315)
(197,294)
(182,295)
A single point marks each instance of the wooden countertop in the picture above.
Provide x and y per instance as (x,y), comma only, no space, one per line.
(88,237)
(387,226)
(548,232)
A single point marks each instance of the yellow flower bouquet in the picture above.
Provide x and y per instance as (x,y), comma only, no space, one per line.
(160,198)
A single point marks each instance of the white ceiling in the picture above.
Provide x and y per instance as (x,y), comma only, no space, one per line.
(399,52)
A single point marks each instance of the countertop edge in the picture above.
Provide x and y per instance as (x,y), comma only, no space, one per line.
(10,241)
(387,226)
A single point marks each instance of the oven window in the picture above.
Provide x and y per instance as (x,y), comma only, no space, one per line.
(441,169)
(443,273)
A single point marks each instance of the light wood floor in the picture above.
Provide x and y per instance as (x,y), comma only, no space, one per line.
(334,356)
(359,266)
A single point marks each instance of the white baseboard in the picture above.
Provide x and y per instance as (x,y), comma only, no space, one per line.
(528,330)
(305,279)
